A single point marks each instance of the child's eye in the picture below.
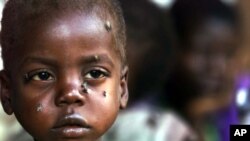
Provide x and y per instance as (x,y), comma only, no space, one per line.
(96,74)
(44,76)
(40,75)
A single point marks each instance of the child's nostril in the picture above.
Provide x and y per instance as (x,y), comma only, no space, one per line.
(78,101)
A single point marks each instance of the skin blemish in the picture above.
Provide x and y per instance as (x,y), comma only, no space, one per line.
(84,86)
(108,26)
(104,93)
(39,108)
(96,57)
(86,89)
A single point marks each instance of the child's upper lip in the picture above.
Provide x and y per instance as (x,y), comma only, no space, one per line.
(71,120)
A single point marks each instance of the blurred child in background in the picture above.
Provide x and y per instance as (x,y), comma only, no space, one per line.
(201,86)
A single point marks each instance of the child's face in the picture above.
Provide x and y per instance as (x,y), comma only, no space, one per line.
(45,88)
(210,58)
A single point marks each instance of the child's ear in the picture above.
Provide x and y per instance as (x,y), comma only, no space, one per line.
(124,88)
(5,92)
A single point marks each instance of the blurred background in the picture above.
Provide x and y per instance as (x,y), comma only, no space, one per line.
(189,72)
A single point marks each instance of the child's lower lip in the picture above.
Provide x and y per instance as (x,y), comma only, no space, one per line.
(70,131)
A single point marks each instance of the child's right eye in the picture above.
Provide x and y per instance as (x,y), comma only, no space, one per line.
(39,75)
(44,76)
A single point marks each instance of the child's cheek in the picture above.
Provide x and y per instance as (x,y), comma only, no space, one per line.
(103,105)
(33,110)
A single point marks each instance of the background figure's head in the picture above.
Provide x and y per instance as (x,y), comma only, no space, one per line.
(147,47)
(65,73)
(207,32)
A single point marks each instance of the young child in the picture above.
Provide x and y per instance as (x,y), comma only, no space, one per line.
(65,72)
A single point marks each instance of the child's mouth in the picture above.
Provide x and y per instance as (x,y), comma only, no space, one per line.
(71,126)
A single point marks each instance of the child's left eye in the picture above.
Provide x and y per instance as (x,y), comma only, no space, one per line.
(96,74)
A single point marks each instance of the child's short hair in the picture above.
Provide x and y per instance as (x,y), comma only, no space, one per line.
(19,14)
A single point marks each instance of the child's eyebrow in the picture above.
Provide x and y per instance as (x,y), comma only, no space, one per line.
(99,58)
(38,59)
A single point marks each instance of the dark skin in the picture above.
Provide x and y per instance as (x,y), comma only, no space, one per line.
(55,58)
(213,46)
(210,62)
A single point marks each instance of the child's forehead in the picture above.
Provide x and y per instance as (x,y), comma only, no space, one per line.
(63,16)
(68,23)
(70,31)
(81,23)
(68,26)
(92,14)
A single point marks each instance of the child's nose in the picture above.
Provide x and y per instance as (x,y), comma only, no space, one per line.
(70,93)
